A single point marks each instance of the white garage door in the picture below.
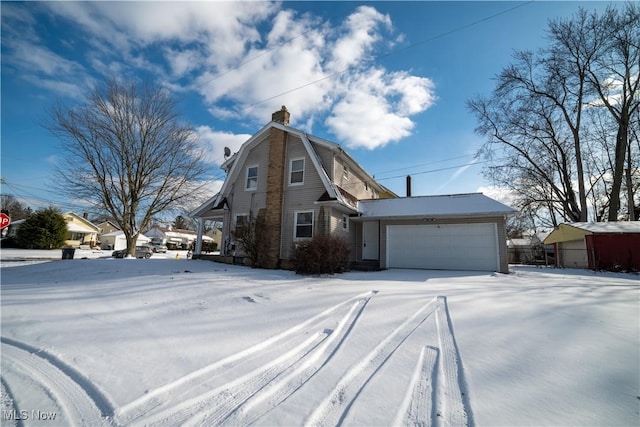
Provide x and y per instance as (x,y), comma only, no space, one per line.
(443,247)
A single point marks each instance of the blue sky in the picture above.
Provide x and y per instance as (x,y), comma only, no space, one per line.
(387,80)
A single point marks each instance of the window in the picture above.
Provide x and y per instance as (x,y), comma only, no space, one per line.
(345,172)
(252,178)
(242,220)
(303,227)
(297,172)
(345,222)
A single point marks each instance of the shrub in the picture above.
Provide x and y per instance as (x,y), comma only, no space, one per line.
(45,229)
(9,242)
(251,237)
(321,255)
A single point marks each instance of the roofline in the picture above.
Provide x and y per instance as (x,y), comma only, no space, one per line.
(432,196)
(338,148)
(433,217)
(89,223)
(207,205)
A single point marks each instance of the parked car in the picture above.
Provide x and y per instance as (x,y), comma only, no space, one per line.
(141,252)
(158,247)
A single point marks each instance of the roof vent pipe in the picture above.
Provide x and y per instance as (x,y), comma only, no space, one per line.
(408,185)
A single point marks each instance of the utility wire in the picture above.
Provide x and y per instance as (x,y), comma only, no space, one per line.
(392,52)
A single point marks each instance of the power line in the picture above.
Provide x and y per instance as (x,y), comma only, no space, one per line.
(392,52)
(424,164)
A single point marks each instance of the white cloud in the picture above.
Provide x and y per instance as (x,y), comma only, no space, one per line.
(361,34)
(322,71)
(503,195)
(375,107)
(214,142)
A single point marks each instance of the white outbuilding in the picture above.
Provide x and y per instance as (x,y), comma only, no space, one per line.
(115,241)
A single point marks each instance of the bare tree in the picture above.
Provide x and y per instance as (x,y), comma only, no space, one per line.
(615,77)
(539,120)
(530,141)
(13,207)
(127,151)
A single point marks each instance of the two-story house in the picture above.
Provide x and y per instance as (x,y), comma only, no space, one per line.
(303,186)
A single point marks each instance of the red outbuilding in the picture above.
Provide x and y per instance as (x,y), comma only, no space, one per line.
(597,245)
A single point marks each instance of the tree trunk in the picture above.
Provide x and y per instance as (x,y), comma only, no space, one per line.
(131,245)
(618,171)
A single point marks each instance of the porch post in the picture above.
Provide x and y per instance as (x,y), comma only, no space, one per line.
(198,248)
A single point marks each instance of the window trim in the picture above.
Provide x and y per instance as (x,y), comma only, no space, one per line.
(246,175)
(291,171)
(295,224)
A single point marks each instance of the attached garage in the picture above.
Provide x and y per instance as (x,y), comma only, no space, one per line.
(455,232)
(443,247)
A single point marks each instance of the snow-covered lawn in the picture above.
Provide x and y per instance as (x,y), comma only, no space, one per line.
(166,341)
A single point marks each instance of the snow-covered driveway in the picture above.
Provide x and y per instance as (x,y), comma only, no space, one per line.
(168,342)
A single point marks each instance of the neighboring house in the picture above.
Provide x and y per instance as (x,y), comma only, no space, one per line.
(597,245)
(527,249)
(174,238)
(116,240)
(106,227)
(216,237)
(303,186)
(81,231)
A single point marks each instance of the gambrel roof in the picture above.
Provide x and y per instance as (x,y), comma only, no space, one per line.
(333,193)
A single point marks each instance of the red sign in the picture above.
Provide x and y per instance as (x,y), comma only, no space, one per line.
(5,220)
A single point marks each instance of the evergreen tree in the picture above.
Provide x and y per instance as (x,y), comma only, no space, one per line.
(45,229)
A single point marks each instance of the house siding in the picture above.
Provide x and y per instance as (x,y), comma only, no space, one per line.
(300,197)
(250,201)
(356,184)
(336,229)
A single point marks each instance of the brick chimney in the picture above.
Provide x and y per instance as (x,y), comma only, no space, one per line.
(275,189)
(281,116)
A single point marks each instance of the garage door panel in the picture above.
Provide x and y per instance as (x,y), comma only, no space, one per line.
(446,247)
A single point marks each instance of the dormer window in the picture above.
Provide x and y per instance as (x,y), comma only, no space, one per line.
(252,178)
(296,168)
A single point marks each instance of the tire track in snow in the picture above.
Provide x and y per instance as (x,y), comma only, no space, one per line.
(81,402)
(8,406)
(336,405)
(417,407)
(228,397)
(452,407)
(275,392)
(168,393)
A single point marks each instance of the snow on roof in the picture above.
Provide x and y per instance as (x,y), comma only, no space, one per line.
(121,233)
(608,227)
(449,205)
(77,228)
